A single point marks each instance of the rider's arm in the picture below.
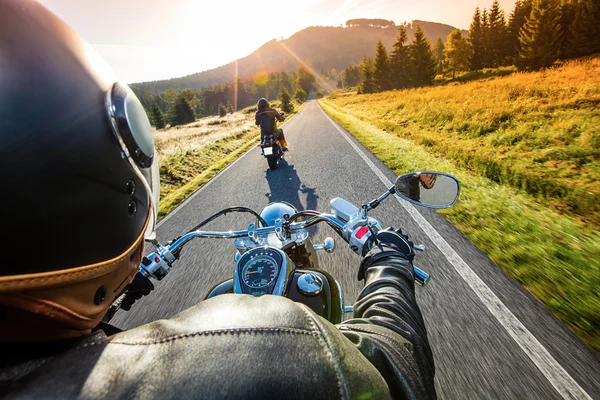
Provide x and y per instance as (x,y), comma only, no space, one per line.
(388,327)
(277,115)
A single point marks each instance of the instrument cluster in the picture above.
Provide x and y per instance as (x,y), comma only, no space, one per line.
(258,271)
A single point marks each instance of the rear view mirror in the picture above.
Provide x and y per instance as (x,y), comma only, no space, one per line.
(428,189)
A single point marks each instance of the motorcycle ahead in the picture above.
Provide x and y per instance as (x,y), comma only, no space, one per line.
(271,150)
(275,255)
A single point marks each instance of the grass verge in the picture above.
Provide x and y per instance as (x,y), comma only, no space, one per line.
(184,173)
(555,257)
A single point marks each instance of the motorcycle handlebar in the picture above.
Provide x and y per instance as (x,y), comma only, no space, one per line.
(332,221)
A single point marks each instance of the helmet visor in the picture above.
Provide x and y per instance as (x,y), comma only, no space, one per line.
(132,130)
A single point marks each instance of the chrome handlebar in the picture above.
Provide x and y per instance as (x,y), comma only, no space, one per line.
(297,226)
(158,264)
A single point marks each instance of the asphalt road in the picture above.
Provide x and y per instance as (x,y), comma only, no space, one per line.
(491,339)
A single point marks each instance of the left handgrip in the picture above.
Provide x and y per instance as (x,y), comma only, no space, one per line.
(156,265)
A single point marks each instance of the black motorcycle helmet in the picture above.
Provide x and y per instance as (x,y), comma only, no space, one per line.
(262,104)
(79,176)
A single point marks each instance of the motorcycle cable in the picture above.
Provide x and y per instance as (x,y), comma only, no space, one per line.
(215,216)
(317,219)
(310,213)
(290,219)
(227,211)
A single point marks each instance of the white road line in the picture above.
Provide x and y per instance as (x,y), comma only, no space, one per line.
(564,384)
(214,178)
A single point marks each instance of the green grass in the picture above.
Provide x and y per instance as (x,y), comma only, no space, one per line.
(216,122)
(555,257)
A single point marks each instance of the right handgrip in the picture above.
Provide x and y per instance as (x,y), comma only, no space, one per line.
(421,277)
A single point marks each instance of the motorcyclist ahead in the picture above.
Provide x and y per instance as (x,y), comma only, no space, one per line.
(267,117)
(80,180)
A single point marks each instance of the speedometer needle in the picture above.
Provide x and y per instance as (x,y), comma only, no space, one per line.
(251,272)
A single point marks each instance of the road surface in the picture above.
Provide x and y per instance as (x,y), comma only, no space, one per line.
(491,339)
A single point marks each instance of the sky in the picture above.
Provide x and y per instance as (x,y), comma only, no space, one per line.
(145,40)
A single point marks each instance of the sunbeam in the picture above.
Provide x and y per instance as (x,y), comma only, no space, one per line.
(318,76)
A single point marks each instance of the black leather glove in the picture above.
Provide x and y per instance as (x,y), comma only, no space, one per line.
(388,243)
(138,288)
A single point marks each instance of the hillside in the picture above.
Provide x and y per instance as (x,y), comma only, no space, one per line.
(321,47)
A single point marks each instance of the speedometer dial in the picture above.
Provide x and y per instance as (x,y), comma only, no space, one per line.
(260,271)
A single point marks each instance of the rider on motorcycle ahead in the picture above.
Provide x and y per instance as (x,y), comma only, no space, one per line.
(78,171)
(267,117)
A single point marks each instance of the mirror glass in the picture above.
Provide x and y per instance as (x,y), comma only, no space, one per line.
(429,189)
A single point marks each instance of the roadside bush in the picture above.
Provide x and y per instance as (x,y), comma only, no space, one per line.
(222,110)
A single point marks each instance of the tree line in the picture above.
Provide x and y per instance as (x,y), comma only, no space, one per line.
(536,35)
(408,65)
(176,107)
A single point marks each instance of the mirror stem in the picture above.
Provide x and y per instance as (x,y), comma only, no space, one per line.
(377,201)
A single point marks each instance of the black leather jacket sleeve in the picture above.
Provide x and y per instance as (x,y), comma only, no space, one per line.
(388,327)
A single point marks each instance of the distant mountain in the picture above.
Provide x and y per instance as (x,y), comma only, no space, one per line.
(321,47)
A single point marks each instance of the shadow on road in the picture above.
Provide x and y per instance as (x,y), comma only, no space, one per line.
(285,185)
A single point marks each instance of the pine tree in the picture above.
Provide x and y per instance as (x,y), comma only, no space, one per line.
(497,38)
(350,76)
(381,69)
(222,110)
(566,10)
(181,111)
(515,23)
(400,61)
(300,95)
(458,53)
(305,79)
(366,76)
(285,80)
(485,32)
(539,36)
(422,61)
(476,38)
(438,50)
(586,27)
(286,101)
(158,117)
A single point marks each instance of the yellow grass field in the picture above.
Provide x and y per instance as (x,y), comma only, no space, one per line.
(526,148)
(539,132)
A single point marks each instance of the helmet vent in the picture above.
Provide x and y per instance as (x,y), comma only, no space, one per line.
(100,295)
(130,187)
(132,208)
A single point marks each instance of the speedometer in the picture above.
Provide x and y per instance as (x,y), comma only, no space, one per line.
(260,271)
